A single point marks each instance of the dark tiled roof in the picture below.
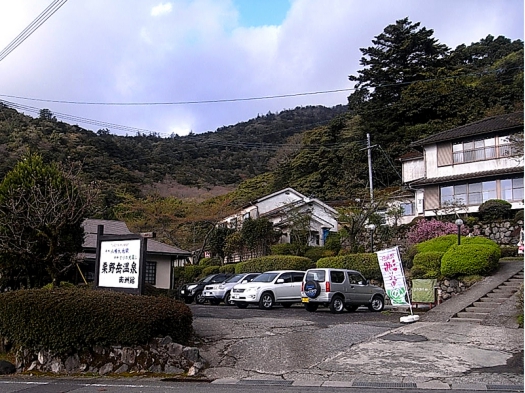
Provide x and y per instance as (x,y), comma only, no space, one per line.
(113,227)
(411,155)
(490,124)
(475,175)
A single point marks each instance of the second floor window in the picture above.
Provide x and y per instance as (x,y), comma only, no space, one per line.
(482,149)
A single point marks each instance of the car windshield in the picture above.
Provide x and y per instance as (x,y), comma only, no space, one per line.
(265,277)
(315,275)
(235,278)
(207,279)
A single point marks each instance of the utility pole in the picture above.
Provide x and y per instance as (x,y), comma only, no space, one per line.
(369,149)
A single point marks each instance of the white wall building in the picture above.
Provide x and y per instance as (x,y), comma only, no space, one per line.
(466,166)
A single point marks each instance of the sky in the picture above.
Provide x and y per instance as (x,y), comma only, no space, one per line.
(181,66)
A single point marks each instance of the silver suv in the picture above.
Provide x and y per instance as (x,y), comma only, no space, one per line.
(339,289)
(278,286)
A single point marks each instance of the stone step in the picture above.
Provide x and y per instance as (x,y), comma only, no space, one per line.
(505,289)
(491,300)
(513,282)
(493,295)
(474,315)
(477,309)
(471,320)
(486,304)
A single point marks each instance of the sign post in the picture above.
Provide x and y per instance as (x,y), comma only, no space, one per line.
(120,262)
(394,280)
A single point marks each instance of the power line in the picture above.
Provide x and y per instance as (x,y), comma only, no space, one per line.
(181,102)
(30,29)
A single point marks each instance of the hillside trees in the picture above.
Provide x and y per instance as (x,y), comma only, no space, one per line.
(42,207)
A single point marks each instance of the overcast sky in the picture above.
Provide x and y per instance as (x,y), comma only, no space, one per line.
(182,51)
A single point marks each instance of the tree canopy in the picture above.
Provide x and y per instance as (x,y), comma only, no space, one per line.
(42,207)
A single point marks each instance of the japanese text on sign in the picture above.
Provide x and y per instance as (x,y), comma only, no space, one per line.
(119,264)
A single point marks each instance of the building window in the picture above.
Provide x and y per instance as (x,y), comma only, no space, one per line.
(483,149)
(408,208)
(512,189)
(246,216)
(151,273)
(477,193)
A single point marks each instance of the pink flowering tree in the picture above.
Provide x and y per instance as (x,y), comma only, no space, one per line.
(425,230)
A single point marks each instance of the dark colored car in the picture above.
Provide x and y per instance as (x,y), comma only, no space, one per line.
(193,291)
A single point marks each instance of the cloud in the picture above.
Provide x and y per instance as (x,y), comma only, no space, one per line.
(161,9)
(197,50)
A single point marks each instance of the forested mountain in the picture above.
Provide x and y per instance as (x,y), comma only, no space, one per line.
(410,86)
(222,158)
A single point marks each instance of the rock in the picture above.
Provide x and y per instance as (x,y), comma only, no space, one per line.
(106,369)
(191,353)
(128,355)
(72,363)
(122,369)
(7,367)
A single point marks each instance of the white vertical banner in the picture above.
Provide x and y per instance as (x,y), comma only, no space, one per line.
(393,276)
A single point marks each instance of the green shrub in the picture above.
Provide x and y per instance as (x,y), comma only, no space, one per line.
(438,244)
(229,268)
(316,253)
(509,251)
(205,262)
(192,272)
(427,265)
(283,249)
(63,284)
(333,242)
(467,259)
(274,262)
(210,270)
(494,209)
(63,320)
(367,264)
(519,215)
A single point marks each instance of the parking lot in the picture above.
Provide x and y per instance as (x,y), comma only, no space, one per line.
(255,343)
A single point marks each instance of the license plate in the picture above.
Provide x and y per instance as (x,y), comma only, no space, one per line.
(305,300)
(207,294)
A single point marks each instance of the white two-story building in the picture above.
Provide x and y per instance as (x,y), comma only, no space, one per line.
(282,207)
(459,169)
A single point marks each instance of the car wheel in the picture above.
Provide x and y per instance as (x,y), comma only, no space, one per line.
(337,305)
(241,304)
(311,307)
(215,302)
(188,300)
(351,308)
(312,289)
(199,298)
(266,301)
(228,299)
(376,304)
(286,305)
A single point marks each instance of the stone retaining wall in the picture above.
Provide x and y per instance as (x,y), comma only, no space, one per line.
(161,355)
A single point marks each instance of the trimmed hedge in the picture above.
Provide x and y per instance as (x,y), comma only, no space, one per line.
(438,244)
(427,265)
(283,249)
(205,262)
(316,253)
(192,272)
(367,264)
(210,270)
(274,262)
(229,268)
(468,259)
(64,320)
